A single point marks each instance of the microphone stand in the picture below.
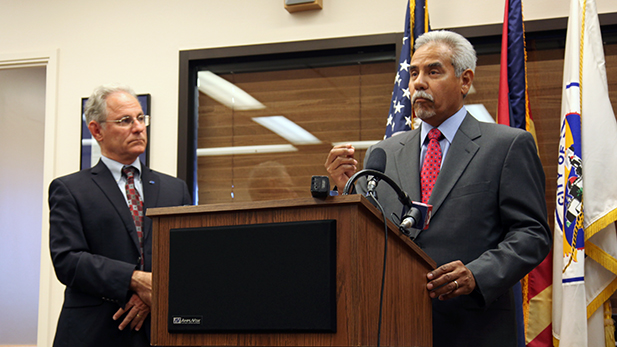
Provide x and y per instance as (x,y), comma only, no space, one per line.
(402,196)
(405,223)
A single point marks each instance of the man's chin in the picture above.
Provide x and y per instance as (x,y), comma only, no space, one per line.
(138,143)
(138,149)
(424,114)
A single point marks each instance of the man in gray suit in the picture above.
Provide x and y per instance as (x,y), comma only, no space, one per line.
(489,227)
(100,251)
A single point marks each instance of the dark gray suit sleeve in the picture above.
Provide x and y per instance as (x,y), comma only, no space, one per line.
(522,209)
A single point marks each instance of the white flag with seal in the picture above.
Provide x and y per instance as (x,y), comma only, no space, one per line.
(586,188)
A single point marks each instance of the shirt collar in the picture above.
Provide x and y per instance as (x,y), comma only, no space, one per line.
(116,167)
(448,128)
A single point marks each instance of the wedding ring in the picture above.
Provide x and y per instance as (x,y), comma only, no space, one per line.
(456,284)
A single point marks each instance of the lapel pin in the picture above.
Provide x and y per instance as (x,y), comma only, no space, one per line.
(151,182)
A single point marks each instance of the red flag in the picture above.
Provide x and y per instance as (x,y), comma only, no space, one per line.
(534,317)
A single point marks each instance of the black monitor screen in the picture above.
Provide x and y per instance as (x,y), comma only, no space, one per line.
(276,277)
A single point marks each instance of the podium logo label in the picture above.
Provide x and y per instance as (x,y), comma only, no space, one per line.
(187,320)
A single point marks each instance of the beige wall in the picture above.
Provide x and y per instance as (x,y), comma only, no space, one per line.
(137,43)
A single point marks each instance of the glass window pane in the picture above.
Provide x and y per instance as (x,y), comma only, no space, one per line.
(333,104)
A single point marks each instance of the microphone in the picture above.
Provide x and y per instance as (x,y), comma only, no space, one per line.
(418,216)
(416,219)
(377,162)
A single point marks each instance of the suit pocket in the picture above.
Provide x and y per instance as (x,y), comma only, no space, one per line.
(470,189)
(74,298)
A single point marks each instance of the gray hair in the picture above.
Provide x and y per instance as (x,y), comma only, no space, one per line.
(463,54)
(96,106)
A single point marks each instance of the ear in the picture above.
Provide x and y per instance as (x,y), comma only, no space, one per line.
(466,81)
(96,130)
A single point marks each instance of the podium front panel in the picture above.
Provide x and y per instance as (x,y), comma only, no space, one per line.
(271,277)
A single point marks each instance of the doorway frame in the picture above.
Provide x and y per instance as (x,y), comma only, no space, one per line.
(50,290)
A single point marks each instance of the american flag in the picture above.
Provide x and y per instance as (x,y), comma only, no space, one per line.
(400,117)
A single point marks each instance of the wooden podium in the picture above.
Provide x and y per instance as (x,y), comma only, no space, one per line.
(407,315)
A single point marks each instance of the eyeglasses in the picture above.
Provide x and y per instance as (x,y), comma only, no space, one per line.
(128,121)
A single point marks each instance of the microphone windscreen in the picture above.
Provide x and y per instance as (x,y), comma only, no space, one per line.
(377,160)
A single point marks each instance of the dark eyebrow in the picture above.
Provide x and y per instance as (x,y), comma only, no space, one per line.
(431,65)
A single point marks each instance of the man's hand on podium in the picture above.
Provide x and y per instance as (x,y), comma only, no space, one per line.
(450,280)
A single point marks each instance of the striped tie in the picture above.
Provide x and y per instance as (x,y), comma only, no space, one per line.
(135,206)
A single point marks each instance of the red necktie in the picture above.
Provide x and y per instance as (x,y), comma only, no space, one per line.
(431,165)
(135,206)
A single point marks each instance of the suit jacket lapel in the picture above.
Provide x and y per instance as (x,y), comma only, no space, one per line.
(150,183)
(462,150)
(407,161)
(103,178)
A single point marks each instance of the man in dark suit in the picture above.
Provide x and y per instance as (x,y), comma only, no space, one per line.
(95,246)
(488,228)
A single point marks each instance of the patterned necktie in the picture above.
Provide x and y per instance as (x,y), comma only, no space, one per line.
(135,206)
(431,165)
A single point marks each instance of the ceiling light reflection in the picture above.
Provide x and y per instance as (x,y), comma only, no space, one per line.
(357,144)
(288,130)
(226,92)
(480,113)
(207,152)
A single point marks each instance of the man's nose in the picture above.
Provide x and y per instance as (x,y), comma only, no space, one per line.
(419,83)
(138,126)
